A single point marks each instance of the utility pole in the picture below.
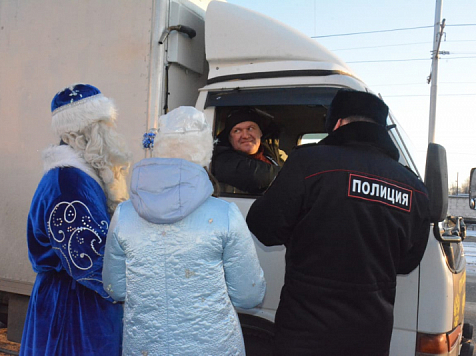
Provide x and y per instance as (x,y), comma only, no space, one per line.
(457,183)
(433,78)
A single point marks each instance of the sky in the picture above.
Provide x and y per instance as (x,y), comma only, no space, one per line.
(395,61)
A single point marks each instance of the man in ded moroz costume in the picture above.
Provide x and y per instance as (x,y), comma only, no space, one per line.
(84,180)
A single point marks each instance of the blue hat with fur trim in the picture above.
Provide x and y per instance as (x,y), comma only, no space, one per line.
(78,106)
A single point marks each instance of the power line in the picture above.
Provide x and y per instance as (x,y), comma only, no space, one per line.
(369,47)
(407,84)
(406,60)
(458,57)
(391,60)
(377,31)
(396,45)
(463,24)
(391,30)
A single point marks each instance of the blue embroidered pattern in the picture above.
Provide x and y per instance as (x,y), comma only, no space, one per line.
(78,235)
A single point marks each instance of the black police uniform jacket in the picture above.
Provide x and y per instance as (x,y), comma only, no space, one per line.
(351,218)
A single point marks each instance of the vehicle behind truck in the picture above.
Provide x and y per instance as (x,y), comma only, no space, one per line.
(150,57)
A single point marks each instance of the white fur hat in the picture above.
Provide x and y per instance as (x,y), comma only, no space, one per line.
(184,133)
(78,106)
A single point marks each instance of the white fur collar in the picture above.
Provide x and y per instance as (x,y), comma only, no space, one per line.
(65,156)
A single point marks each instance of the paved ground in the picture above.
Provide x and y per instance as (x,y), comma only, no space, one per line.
(10,348)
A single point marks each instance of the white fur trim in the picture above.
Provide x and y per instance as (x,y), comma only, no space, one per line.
(184,133)
(80,114)
(65,156)
(193,146)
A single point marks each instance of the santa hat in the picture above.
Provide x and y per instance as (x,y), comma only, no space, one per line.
(78,106)
(184,133)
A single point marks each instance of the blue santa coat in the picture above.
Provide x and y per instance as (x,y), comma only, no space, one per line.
(69,313)
(180,259)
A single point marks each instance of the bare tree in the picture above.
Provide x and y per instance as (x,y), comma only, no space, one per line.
(462,188)
(465,186)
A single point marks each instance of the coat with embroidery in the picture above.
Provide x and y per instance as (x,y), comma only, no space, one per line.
(69,312)
(351,218)
(181,260)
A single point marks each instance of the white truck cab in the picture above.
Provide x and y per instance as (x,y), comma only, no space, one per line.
(256,61)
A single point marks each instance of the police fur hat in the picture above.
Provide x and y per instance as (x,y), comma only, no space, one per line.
(78,106)
(184,133)
(348,102)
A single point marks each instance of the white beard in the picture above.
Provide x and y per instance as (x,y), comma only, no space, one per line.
(116,191)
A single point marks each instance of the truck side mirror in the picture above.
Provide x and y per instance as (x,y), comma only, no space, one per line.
(472,189)
(436,181)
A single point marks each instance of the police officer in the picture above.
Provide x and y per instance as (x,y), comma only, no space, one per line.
(351,218)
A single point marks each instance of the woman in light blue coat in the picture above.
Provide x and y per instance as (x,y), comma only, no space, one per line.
(179,258)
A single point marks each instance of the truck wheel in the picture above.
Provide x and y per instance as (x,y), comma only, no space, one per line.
(467,331)
(467,349)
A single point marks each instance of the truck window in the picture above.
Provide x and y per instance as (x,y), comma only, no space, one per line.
(297,116)
(311,138)
(286,127)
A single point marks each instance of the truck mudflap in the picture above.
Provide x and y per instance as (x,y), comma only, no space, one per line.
(467,346)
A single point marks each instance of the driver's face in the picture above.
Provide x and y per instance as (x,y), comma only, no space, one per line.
(246,137)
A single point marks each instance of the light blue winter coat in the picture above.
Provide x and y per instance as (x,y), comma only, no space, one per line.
(180,260)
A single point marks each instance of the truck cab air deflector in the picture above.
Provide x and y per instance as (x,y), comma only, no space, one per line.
(239,41)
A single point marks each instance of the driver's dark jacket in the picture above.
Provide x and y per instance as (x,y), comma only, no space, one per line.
(351,218)
(244,172)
